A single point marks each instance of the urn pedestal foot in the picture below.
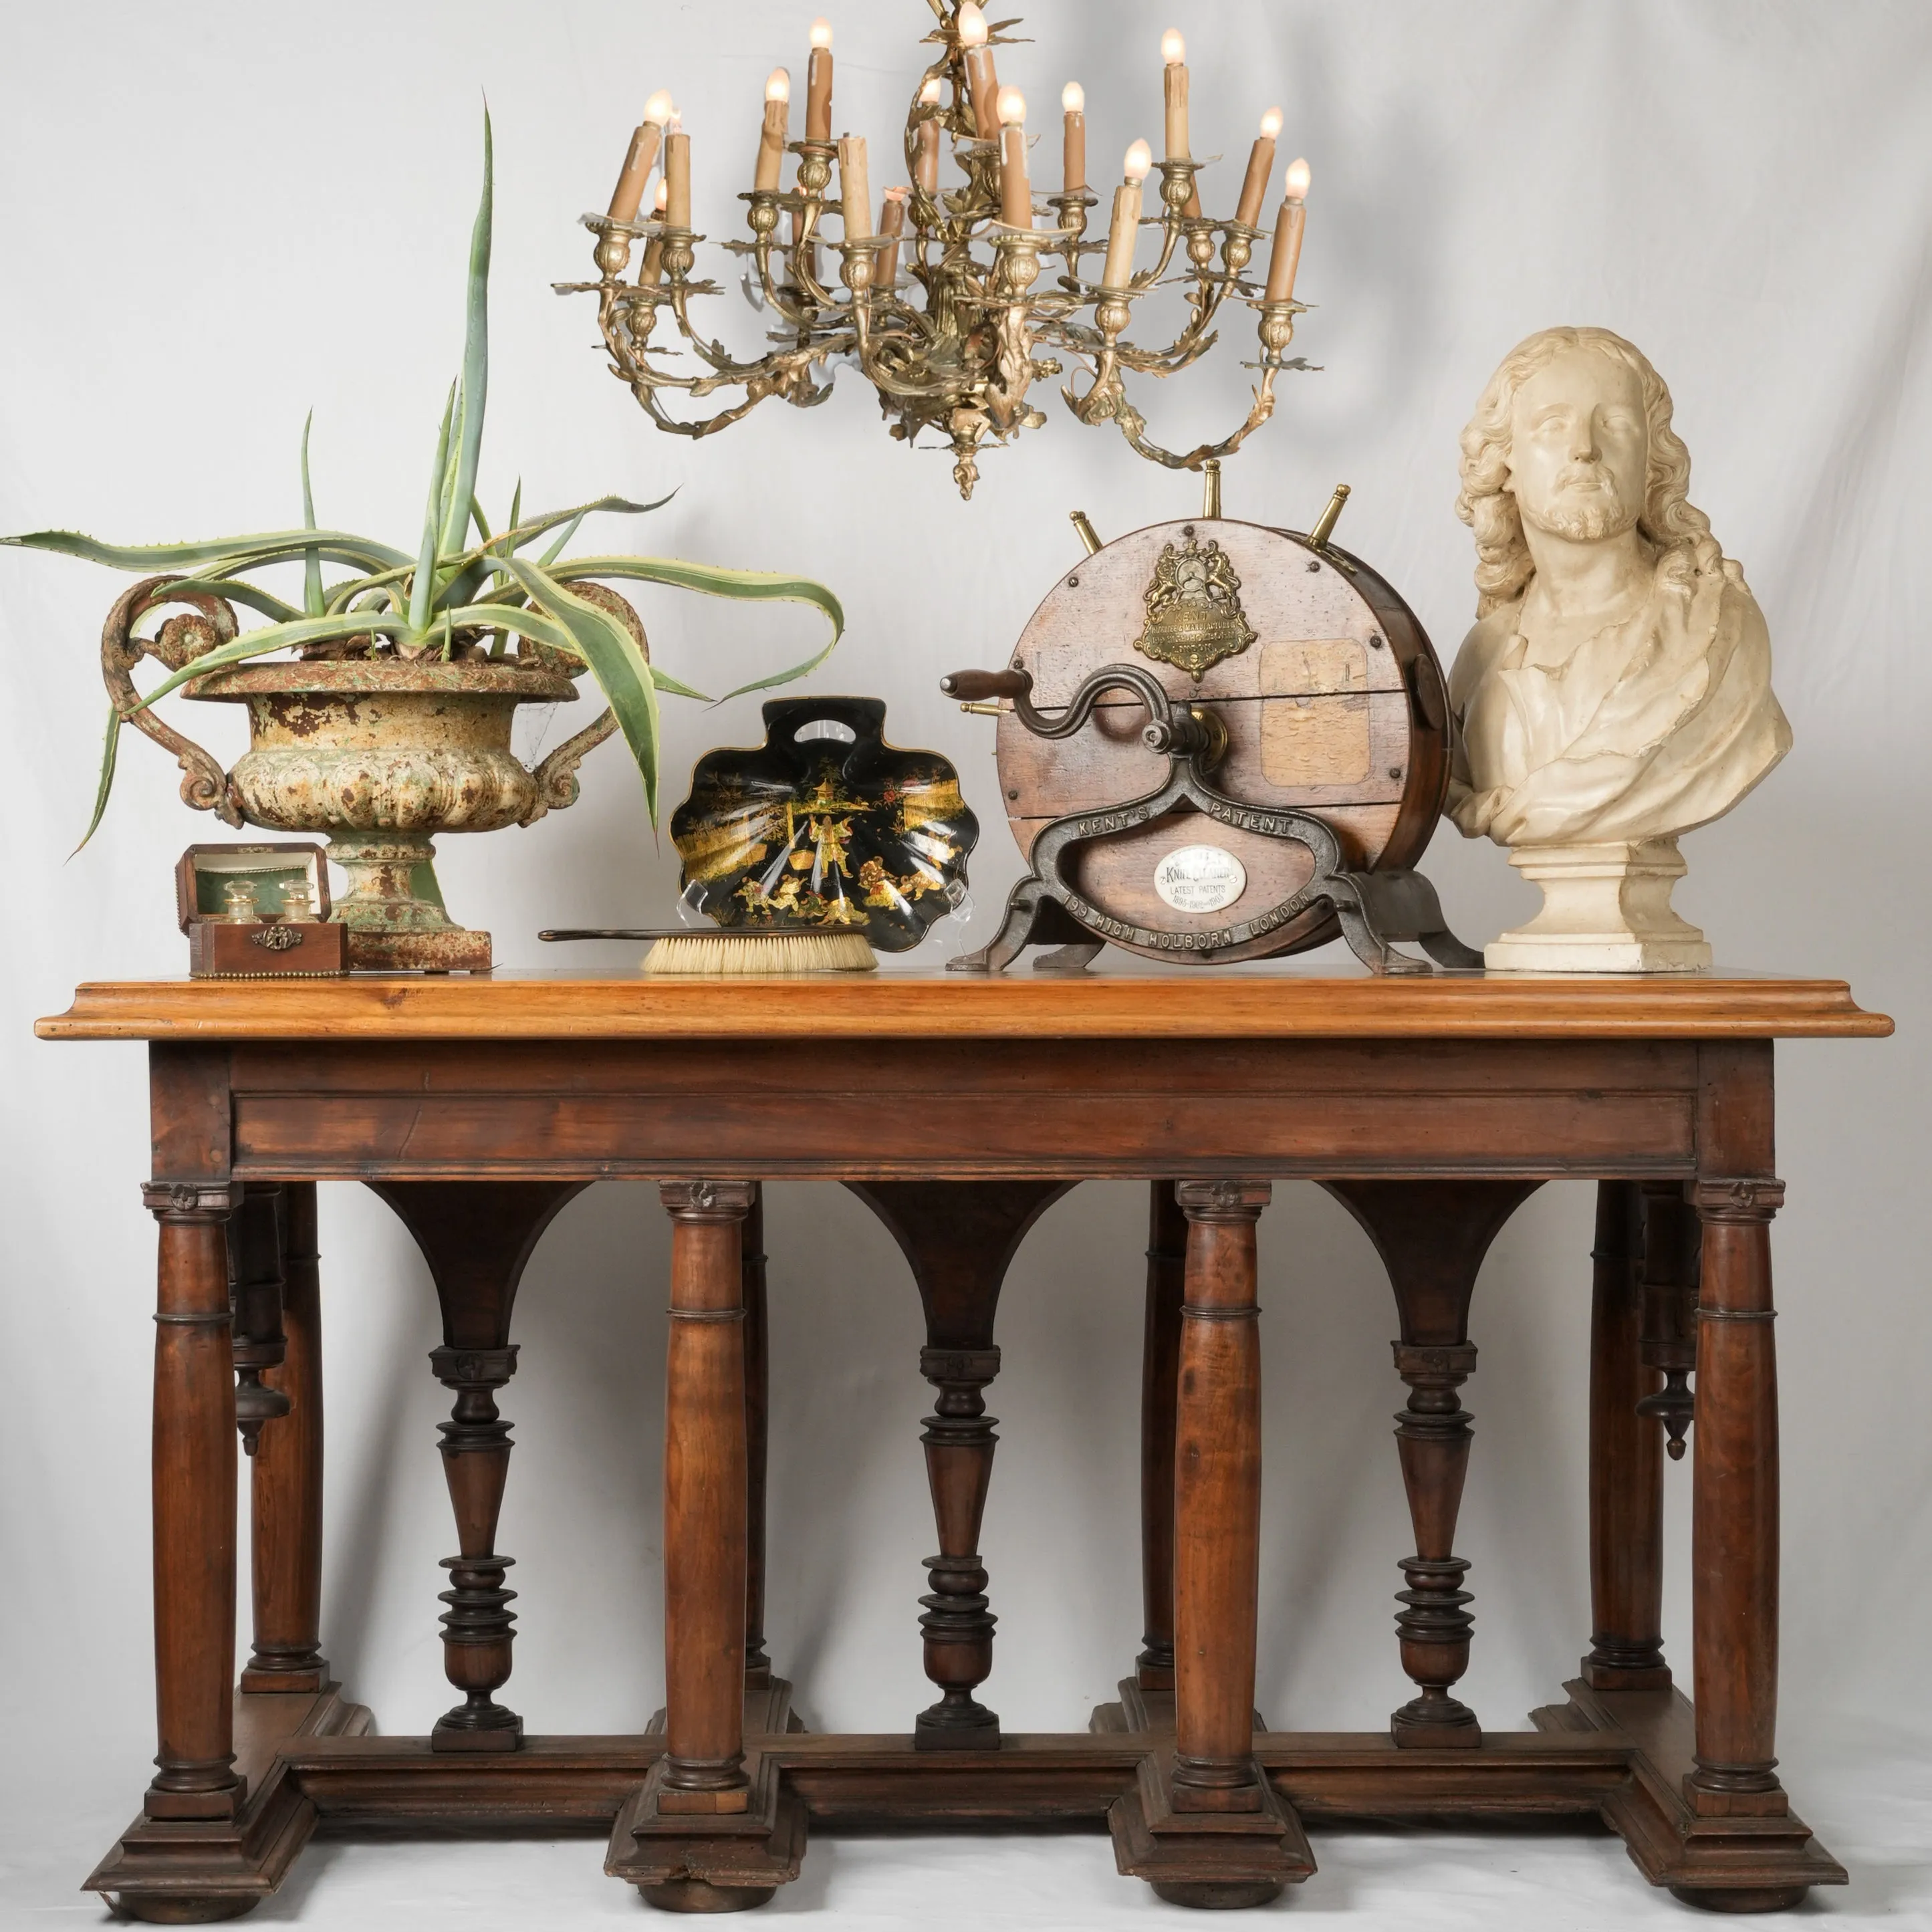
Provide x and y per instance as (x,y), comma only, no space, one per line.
(394,910)
(1605,909)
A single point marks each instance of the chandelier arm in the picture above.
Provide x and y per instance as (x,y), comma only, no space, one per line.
(774,292)
(1133,426)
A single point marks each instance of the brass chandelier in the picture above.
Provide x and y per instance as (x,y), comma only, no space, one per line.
(937,294)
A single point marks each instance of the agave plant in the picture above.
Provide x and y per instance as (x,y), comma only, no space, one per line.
(463,593)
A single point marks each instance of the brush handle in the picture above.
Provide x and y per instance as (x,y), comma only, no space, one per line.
(628,932)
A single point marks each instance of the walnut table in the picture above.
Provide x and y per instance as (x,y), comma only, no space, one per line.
(958,1109)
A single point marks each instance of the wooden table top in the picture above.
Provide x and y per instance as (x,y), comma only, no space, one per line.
(1263,1003)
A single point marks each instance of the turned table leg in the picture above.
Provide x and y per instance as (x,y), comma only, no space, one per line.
(1160,1371)
(477,1238)
(1217,1500)
(194,1478)
(1735,1505)
(959,1237)
(255,1270)
(285,1516)
(757,1424)
(1626,1462)
(1431,1237)
(705,1497)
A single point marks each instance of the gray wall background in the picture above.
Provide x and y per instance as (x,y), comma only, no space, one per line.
(214,217)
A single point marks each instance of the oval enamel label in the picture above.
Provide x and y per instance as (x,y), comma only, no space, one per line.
(1200,878)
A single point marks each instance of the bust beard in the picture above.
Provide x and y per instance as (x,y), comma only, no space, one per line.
(1585,517)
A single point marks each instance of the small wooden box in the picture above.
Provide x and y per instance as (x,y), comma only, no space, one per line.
(222,946)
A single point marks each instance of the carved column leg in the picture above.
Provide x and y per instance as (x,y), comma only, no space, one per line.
(1432,1236)
(705,1495)
(285,1519)
(758,1422)
(477,1238)
(194,1472)
(959,1237)
(1626,1463)
(1734,1520)
(1160,1369)
(1217,1500)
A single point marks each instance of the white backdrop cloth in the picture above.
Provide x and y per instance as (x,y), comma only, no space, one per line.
(217,215)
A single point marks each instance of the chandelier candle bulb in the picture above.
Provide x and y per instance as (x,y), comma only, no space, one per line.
(1073,107)
(1287,255)
(818,84)
(1120,236)
(776,132)
(891,225)
(855,191)
(981,78)
(1261,165)
(1015,191)
(1174,88)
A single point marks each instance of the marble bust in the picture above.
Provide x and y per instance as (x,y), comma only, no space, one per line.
(1615,691)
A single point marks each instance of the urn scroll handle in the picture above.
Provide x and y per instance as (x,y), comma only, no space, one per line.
(209,623)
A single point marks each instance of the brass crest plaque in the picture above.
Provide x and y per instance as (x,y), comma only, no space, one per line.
(1194,614)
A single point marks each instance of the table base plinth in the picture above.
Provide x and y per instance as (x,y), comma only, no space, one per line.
(1617,1757)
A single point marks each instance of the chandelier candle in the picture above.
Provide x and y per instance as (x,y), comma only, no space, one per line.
(628,196)
(677,177)
(855,191)
(1174,90)
(1287,255)
(818,84)
(651,273)
(776,131)
(1073,146)
(891,225)
(1261,165)
(1015,191)
(982,83)
(925,171)
(1119,269)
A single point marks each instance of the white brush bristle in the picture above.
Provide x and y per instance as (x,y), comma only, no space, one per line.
(714,955)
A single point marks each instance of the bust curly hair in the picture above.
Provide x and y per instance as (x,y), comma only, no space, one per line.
(1486,503)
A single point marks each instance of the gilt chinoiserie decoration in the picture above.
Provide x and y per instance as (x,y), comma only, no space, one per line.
(825,827)
(940,292)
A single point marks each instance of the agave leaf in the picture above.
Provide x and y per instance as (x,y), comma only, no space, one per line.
(252,596)
(564,535)
(546,630)
(716,581)
(424,587)
(615,661)
(518,534)
(477,517)
(275,637)
(231,553)
(108,753)
(312,597)
(476,357)
(516,504)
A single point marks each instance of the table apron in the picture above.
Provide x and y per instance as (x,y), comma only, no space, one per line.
(963,1110)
